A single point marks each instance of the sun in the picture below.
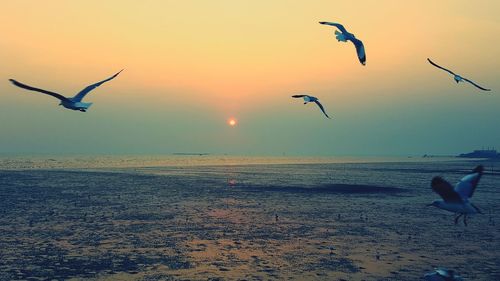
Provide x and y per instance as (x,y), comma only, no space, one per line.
(232,122)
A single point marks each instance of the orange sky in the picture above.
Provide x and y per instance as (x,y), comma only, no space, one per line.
(242,58)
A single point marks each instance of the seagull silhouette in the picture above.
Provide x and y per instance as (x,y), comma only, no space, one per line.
(74,103)
(344,36)
(456,199)
(308,98)
(457,77)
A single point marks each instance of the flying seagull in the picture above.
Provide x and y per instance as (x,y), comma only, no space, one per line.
(442,274)
(456,199)
(343,35)
(457,77)
(312,99)
(74,103)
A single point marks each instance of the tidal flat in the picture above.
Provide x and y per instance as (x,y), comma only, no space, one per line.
(366,221)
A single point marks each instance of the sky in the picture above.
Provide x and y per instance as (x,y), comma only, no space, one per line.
(191,65)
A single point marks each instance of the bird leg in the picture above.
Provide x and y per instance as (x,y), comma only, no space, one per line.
(465,219)
(457,217)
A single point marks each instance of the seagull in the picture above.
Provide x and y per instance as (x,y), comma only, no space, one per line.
(344,36)
(442,274)
(74,103)
(456,199)
(457,77)
(312,99)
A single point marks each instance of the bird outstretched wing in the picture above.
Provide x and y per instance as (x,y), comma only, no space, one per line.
(440,67)
(467,185)
(322,109)
(87,90)
(337,25)
(360,50)
(26,87)
(445,190)
(477,86)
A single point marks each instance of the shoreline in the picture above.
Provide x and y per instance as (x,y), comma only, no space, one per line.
(177,161)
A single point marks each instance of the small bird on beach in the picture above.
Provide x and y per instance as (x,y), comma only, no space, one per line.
(344,36)
(442,274)
(457,77)
(74,103)
(456,199)
(308,98)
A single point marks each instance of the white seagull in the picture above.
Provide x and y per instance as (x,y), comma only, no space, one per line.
(442,274)
(456,199)
(457,77)
(308,98)
(74,103)
(343,35)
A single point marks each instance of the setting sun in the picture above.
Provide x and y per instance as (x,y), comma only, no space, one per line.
(232,122)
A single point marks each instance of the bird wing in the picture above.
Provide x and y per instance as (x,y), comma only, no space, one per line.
(440,67)
(445,190)
(87,90)
(467,185)
(21,85)
(477,86)
(337,25)
(322,109)
(299,96)
(360,50)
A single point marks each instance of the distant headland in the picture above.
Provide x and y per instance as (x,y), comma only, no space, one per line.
(490,153)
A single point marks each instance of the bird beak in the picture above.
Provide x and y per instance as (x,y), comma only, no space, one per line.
(429,205)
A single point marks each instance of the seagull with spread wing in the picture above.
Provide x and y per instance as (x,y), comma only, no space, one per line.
(344,36)
(74,103)
(456,199)
(442,274)
(457,77)
(308,98)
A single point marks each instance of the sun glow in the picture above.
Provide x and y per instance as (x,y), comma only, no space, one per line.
(232,122)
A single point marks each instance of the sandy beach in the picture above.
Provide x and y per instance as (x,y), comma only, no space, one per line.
(256,222)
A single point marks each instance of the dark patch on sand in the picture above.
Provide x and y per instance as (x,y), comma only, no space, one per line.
(58,265)
(330,188)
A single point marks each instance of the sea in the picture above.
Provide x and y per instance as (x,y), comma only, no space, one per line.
(403,172)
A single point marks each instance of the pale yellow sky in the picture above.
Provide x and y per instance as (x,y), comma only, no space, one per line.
(244,58)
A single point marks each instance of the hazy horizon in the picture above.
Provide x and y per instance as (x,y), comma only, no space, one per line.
(207,153)
(190,66)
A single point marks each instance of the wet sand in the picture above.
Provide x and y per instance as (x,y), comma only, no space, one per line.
(130,226)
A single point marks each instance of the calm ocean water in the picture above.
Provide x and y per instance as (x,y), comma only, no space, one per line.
(276,171)
(94,162)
